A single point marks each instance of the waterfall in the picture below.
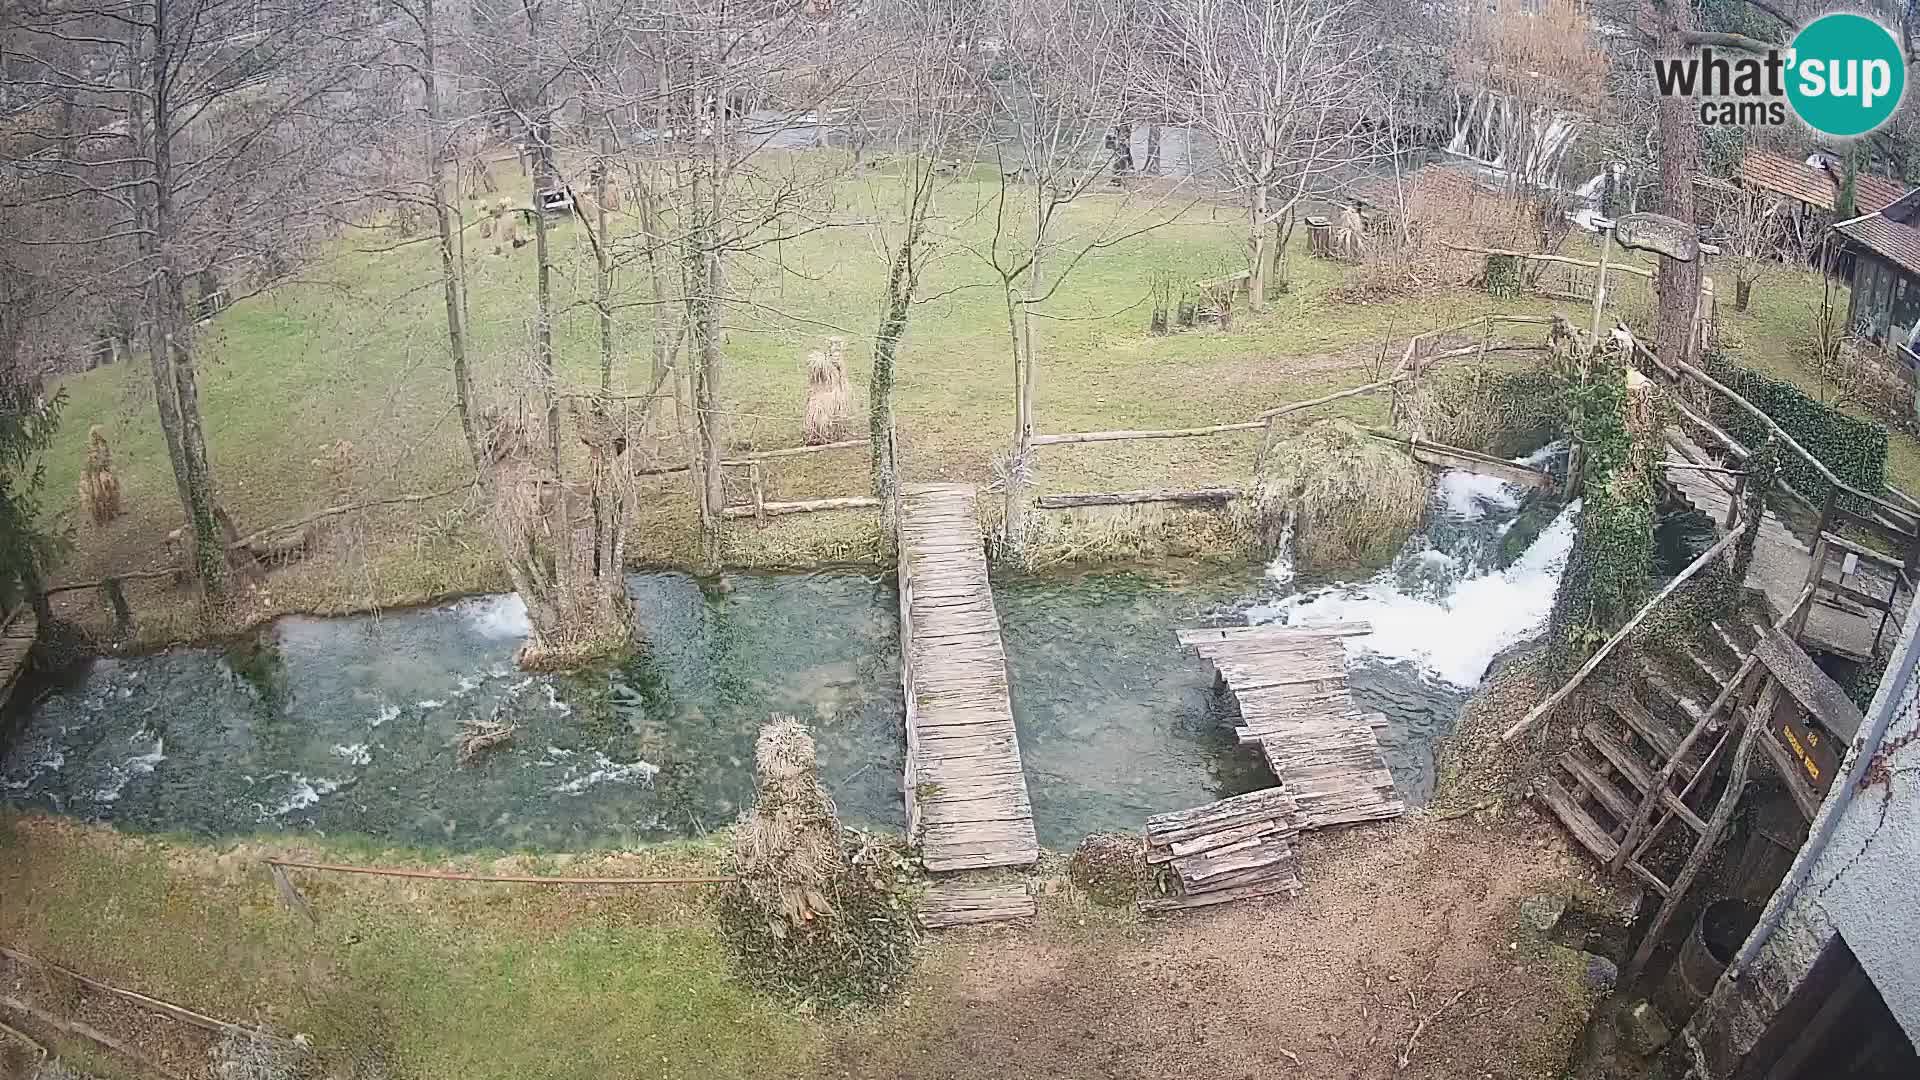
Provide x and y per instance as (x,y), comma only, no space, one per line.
(1517,142)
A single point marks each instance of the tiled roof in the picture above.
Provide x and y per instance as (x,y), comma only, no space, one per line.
(1897,243)
(1872,193)
(1814,185)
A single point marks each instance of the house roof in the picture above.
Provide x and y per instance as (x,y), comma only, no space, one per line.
(1814,185)
(1897,243)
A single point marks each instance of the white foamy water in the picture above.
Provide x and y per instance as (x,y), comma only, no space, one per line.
(119,776)
(353,753)
(1452,633)
(607,771)
(386,713)
(503,616)
(301,793)
(1470,496)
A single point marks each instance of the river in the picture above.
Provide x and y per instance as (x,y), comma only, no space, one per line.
(347,725)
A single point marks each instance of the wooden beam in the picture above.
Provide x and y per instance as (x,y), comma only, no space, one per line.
(1541,256)
(1580,676)
(1453,457)
(1123,498)
(808,506)
(1123,436)
(763,455)
(1703,847)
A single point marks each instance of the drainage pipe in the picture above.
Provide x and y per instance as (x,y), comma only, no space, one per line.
(1885,703)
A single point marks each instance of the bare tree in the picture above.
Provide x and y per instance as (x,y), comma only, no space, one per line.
(1286,90)
(205,144)
(929,93)
(1062,86)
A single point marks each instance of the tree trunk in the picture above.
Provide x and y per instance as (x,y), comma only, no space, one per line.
(1152,165)
(703,273)
(1679,130)
(1257,250)
(452,267)
(543,179)
(1742,293)
(886,346)
(1282,235)
(603,260)
(176,391)
(1020,323)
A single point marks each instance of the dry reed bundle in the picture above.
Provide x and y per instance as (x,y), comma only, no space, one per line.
(817,913)
(1352,499)
(789,846)
(829,395)
(99,488)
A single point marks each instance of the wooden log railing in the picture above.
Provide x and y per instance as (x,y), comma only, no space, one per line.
(1692,570)
(749,460)
(1642,833)
(1070,500)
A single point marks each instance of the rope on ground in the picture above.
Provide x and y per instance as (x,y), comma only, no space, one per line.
(510,879)
(166,1008)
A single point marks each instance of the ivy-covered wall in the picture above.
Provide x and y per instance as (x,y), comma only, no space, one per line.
(1608,570)
(1855,449)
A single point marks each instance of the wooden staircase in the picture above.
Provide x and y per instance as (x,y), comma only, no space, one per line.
(1651,760)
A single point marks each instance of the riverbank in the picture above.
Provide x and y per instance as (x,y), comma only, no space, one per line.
(407,978)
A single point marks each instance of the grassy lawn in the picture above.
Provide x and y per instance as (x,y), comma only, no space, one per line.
(355,352)
(431,979)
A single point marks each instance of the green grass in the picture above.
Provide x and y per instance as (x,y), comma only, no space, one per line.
(356,352)
(436,979)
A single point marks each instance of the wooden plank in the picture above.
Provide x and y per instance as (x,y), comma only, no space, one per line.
(1285,883)
(1602,789)
(1578,822)
(1618,756)
(954,904)
(1812,688)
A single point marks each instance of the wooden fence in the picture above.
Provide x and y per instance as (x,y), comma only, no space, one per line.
(758,506)
(1416,359)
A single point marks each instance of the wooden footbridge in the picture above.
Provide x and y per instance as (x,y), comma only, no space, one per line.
(16,643)
(1290,684)
(966,795)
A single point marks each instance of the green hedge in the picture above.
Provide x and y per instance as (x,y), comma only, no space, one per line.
(1855,449)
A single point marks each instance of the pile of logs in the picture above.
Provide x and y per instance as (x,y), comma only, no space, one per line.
(1233,849)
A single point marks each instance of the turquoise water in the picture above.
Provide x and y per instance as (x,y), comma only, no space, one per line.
(349,725)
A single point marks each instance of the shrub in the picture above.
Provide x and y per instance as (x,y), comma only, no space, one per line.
(1349,499)
(1855,449)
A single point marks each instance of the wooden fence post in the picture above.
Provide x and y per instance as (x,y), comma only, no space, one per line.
(122,613)
(759,491)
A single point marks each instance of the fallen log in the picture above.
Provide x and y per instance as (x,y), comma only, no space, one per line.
(1123,498)
(807,506)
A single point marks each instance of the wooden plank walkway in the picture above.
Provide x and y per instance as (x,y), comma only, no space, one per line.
(1781,560)
(1291,685)
(16,642)
(952,903)
(966,795)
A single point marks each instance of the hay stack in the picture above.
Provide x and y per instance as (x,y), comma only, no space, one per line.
(811,918)
(789,846)
(1352,500)
(99,488)
(829,395)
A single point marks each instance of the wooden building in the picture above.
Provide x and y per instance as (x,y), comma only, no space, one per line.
(1881,259)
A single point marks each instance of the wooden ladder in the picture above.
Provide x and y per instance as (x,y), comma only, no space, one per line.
(1621,786)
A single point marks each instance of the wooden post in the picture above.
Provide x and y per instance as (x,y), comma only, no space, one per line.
(1816,573)
(1703,848)
(1733,506)
(122,613)
(759,492)
(1600,284)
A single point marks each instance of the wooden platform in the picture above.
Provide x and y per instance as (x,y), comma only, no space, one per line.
(967,804)
(1234,849)
(955,903)
(1291,686)
(16,643)
(1781,560)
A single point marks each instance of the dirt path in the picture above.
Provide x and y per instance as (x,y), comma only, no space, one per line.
(1395,924)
